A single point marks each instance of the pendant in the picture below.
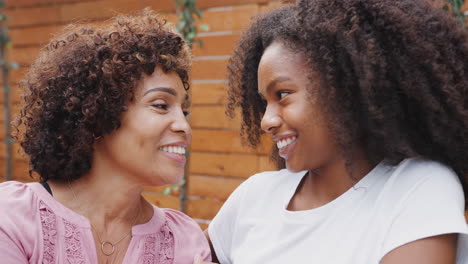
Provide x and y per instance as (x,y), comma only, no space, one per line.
(107,250)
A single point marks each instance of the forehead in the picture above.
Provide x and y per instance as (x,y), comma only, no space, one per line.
(159,78)
(279,60)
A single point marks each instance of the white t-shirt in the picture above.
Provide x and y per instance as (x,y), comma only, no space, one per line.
(389,207)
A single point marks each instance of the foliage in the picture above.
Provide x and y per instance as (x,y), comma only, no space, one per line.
(454,6)
(186,25)
(5,68)
(5,39)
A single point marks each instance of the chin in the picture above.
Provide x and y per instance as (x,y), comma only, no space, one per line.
(165,178)
(294,168)
(175,179)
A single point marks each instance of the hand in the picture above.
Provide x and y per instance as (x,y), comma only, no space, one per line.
(199,260)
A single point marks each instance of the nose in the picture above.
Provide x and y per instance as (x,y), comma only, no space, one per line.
(271,120)
(181,125)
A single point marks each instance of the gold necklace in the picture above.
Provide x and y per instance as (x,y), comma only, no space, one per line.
(111,250)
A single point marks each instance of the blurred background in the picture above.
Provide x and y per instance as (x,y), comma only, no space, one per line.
(218,162)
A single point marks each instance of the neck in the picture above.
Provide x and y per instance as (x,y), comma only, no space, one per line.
(106,199)
(107,196)
(327,183)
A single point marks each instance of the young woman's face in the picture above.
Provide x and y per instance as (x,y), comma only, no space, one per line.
(150,144)
(293,115)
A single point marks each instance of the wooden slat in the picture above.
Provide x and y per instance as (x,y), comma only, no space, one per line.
(32,35)
(210,3)
(163,201)
(24,55)
(165,5)
(216,45)
(208,93)
(20,170)
(14,76)
(31,3)
(33,16)
(214,187)
(203,209)
(224,141)
(209,69)
(100,9)
(203,226)
(236,165)
(271,6)
(14,112)
(230,19)
(265,164)
(212,116)
(16,151)
(15,94)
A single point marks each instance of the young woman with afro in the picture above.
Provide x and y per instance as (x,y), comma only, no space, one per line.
(367,102)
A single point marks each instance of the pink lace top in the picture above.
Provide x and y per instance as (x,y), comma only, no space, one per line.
(35,228)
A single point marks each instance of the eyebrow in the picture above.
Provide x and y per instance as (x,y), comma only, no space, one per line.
(274,83)
(161,89)
(169,91)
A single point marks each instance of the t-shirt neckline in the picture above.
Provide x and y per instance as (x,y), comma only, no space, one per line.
(361,186)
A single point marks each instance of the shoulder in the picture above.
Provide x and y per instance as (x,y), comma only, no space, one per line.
(10,188)
(179,220)
(18,200)
(19,224)
(188,236)
(17,194)
(421,199)
(418,174)
(421,167)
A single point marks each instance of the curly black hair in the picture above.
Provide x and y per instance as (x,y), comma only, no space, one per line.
(393,76)
(81,84)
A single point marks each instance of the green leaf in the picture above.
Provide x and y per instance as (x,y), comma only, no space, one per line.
(167,191)
(13,65)
(204,27)
(198,13)
(200,43)
(191,35)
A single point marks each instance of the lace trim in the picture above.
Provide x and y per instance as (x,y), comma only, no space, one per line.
(49,232)
(149,256)
(164,251)
(73,243)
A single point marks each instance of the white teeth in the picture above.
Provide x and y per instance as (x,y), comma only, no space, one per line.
(284,142)
(174,149)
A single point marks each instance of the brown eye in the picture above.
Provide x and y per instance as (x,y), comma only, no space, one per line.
(282,94)
(160,106)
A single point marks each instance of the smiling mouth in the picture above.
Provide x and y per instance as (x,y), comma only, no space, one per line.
(173,149)
(285,142)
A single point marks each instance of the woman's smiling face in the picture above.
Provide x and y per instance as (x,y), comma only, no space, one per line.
(293,115)
(154,133)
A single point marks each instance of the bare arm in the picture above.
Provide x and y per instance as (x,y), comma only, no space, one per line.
(440,249)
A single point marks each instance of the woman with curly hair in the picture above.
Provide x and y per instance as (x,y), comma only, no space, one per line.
(104,114)
(367,101)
